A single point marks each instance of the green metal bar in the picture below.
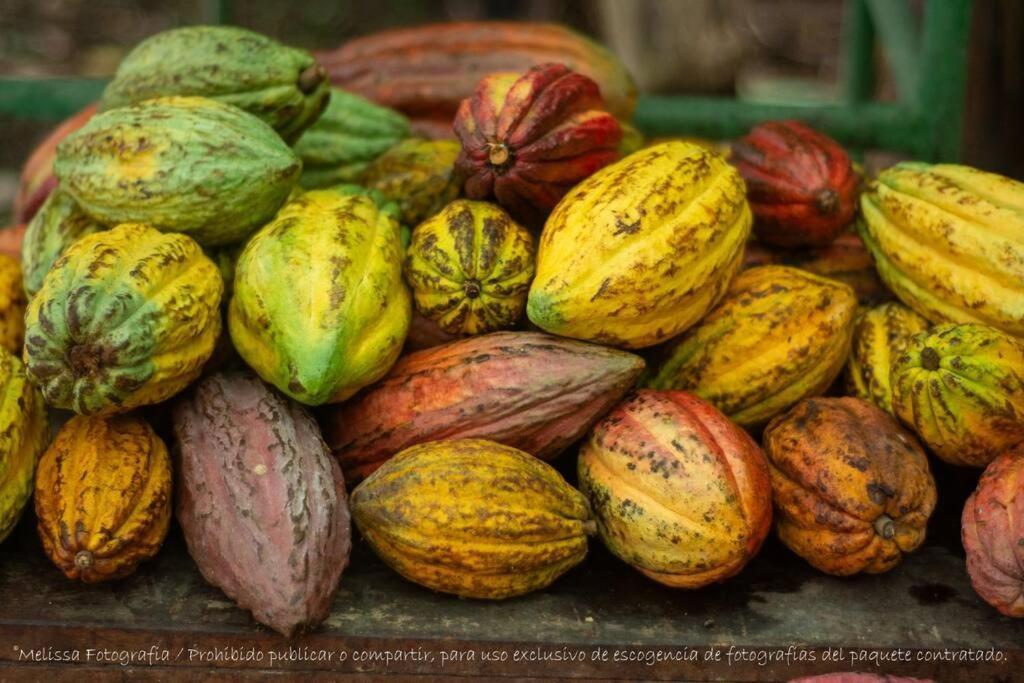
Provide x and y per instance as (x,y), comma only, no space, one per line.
(858,66)
(47,99)
(900,37)
(947,25)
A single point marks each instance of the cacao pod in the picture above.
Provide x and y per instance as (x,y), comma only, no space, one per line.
(879,336)
(261,501)
(528,138)
(642,249)
(470,268)
(11,238)
(473,518)
(949,242)
(779,335)
(993,534)
(426,71)
(852,488)
(800,183)
(417,174)
(346,327)
(180,164)
(678,491)
(350,134)
(126,317)
(961,388)
(283,86)
(424,333)
(24,432)
(37,180)
(388,206)
(57,224)
(103,497)
(12,305)
(528,390)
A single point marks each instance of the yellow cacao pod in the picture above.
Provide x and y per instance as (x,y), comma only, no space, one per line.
(642,249)
(12,305)
(103,497)
(23,435)
(473,518)
(879,336)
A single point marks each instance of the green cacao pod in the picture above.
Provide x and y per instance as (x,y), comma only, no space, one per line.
(419,175)
(879,336)
(948,241)
(284,86)
(126,317)
(470,268)
(388,206)
(350,134)
(179,164)
(57,224)
(961,388)
(340,319)
(779,335)
(23,436)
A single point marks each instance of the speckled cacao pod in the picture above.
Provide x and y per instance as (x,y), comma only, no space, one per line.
(473,518)
(642,249)
(470,267)
(261,501)
(852,488)
(346,329)
(961,388)
(12,305)
(180,164)
(528,390)
(527,138)
(779,335)
(283,86)
(103,497)
(992,528)
(126,317)
(57,224)
(417,174)
(24,432)
(678,491)
(879,336)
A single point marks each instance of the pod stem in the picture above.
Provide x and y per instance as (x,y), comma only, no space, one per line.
(311,78)
(885,527)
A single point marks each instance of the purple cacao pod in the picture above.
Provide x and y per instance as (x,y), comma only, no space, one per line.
(261,501)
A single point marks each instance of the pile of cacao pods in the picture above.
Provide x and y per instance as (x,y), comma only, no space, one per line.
(472,264)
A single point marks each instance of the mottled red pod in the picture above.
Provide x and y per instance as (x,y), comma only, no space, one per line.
(678,491)
(801,184)
(528,138)
(992,528)
(261,501)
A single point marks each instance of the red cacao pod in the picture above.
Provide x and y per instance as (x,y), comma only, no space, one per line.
(678,491)
(527,139)
(528,390)
(801,184)
(11,238)
(37,179)
(992,528)
(261,501)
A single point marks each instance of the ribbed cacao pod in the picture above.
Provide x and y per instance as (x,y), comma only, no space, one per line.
(949,242)
(261,501)
(57,224)
(779,335)
(180,164)
(350,134)
(347,328)
(470,268)
(103,497)
(961,388)
(12,305)
(800,183)
(126,317)
(677,490)
(528,138)
(473,518)
(417,174)
(879,336)
(992,528)
(852,489)
(283,86)
(528,390)
(642,249)
(24,433)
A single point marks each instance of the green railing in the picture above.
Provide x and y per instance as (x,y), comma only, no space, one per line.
(928,64)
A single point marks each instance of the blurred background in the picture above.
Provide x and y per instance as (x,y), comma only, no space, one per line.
(762,51)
